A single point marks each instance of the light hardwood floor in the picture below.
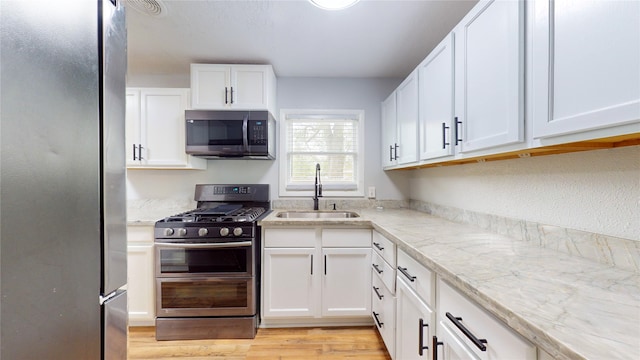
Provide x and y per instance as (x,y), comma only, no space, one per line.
(286,344)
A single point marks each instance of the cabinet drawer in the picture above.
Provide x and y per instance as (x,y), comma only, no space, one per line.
(346,237)
(384,271)
(418,277)
(383,304)
(140,234)
(501,342)
(290,238)
(385,247)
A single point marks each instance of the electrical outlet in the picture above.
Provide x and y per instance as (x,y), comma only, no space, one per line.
(372,192)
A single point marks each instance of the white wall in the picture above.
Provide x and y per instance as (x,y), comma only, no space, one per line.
(293,93)
(595,191)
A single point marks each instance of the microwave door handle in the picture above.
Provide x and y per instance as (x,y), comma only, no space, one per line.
(245,131)
(206,246)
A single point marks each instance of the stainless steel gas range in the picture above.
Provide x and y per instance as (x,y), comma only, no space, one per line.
(207,265)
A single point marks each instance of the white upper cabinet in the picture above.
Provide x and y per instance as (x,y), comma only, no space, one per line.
(155,129)
(489,71)
(586,65)
(389,131)
(407,119)
(436,107)
(241,87)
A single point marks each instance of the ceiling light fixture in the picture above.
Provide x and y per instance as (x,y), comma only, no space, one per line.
(333,4)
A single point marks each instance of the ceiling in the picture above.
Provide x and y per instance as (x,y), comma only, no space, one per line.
(374,38)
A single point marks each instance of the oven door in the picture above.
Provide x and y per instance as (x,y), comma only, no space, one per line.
(207,259)
(205,296)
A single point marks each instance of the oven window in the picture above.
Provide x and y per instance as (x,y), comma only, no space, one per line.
(230,293)
(195,261)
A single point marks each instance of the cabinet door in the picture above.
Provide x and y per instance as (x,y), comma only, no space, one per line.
(210,86)
(414,325)
(407,119)
(140,285)
(163,127)
(250,87)
(346,282)
(435,75)
(389,131)
(489,70)
(451,348)
(585,65)
(288,280)
(132,130)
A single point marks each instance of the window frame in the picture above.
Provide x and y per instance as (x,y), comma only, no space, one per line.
(302,191)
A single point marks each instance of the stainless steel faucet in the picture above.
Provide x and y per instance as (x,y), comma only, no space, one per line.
(317,192)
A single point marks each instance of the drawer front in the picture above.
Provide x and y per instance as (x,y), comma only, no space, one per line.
(385,247)
(346,237)
(384,271)
(385,312)
(296,238)
(499,341)
(419,278)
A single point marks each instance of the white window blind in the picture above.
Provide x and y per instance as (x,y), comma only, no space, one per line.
(331,139)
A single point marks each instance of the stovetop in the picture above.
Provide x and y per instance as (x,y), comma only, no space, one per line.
(220,214)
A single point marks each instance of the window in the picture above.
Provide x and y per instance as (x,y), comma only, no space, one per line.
(331,138)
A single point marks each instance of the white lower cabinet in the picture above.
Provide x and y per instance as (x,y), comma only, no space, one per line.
(289,287)
(140,276)
(383,289)
(414,309)
(315,276)
(383,307)
(346,282)
(466,331)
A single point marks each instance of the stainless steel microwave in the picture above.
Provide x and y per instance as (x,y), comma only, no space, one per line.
(230,134)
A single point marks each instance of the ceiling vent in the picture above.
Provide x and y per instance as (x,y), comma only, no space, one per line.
(153,8)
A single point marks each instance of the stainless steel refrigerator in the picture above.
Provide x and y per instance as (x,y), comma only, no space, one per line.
(62,180)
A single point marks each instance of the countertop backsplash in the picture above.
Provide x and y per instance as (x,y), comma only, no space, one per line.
(607,250)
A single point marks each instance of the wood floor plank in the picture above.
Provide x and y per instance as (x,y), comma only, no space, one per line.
(357,343)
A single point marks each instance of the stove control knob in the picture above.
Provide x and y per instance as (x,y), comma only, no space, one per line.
(203,232)
(168,232)
(182,232)
(224,231)
(237,231)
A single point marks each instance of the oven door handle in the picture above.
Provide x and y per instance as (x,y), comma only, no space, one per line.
(207,246)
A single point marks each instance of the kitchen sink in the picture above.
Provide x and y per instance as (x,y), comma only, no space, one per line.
(317,214)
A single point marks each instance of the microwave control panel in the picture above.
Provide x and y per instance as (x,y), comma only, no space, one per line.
(257,132)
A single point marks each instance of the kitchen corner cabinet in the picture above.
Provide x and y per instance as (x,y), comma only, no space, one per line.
(407,120)
(316,275)
(436,102)
(400,124)
(155,129)
(585,66)
(140,276)
(233,87)
(389,131)
(489,76)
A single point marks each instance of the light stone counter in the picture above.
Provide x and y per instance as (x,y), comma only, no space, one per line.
(570,307)
(145,212)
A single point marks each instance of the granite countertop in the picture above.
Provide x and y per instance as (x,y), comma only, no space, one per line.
(570,307)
